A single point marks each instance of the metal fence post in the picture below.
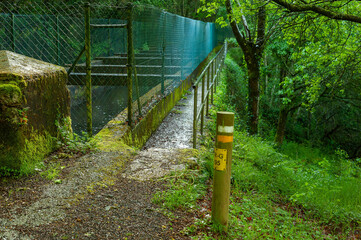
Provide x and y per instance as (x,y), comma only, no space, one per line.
(222,169)
(217,62)
(13,32)
(129,64)
(124,48)
(162,77)
(137,88)
(207,109)
(109,42)
(163,53)
(182,62)
(88,81)
(202,103)
(57,40)
(212,72)
(212,88)
(215,85)
(195,116)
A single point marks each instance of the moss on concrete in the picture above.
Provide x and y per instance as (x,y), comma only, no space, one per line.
(108,140)
(117,135)
(188,157)
(33,96)
(34,151)
(21,154)
(10,91)
(155,116)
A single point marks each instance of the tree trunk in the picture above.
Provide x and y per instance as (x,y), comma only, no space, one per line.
(253,94)
(265,63)
(252,47)
(281,126)
(282,119)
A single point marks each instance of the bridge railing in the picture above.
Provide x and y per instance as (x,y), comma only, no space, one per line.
(208,81)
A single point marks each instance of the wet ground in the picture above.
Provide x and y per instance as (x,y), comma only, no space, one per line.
(176,129)
(168,147)
(104,195)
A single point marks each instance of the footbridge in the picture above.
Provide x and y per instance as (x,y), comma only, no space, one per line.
(120,59)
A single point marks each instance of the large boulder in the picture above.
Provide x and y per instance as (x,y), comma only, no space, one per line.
(34,101)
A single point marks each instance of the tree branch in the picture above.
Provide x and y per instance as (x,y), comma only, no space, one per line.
(245,24)
(237,34)
(320,10)
(261,26)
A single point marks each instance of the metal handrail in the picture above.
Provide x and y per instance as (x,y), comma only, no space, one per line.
(212,69)
(210,62)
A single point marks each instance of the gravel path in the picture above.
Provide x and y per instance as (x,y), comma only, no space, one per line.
(104,195)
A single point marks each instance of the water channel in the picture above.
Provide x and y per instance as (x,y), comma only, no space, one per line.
(108,102)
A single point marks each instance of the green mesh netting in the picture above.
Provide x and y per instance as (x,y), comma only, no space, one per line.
(167,49)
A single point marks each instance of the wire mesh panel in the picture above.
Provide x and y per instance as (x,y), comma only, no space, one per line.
(148,52)
(167,48)
(51,33)
(108,66)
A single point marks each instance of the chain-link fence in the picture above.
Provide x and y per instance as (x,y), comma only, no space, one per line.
(166,49)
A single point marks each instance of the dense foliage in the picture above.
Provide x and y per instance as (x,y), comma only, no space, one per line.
(302,68)
(290,192)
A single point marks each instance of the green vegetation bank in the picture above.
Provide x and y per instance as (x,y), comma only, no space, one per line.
(291,192)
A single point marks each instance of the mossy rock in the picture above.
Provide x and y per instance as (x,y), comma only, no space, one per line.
(33,97)
(10,94)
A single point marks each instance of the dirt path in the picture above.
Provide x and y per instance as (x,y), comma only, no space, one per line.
(104,195)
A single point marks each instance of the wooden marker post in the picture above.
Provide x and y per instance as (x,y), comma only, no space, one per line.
(222,169)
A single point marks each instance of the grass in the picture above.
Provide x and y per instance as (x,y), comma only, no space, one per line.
(255,216)
(293,192)
(52,172)
(308,190)
(185,188)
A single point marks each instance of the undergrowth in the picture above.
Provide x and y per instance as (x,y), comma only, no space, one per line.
(292,192)
(72,143)
(67,144)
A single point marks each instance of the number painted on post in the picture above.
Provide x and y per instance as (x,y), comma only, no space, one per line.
(220,159)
